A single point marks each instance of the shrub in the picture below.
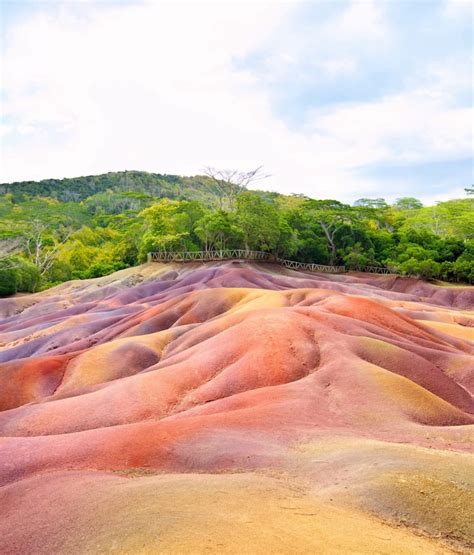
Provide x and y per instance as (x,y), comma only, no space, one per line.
(8,279)
(18,275)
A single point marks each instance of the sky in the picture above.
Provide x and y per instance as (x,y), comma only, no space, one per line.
(336,99)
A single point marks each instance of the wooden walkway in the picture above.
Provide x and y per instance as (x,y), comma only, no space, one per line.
(244,255)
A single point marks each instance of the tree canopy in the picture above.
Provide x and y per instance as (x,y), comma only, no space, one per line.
(49,234)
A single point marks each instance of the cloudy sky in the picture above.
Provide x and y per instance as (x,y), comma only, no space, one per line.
(337,99)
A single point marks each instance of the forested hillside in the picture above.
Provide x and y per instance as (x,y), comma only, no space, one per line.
(55,230)
(77,189)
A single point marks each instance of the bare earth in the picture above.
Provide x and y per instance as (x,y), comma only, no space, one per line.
(237,408)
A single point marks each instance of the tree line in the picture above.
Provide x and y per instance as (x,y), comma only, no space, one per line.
(45,241)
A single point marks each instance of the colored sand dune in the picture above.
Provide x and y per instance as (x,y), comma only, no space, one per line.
(237,408)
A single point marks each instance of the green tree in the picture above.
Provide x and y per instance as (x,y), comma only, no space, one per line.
(332,216)
(379,203)
(259,222)
(8,277)
(218,230)
(167,226)
(408,203)
(425,269)
(17,275)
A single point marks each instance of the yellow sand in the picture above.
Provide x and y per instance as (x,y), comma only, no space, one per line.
(237,513)
(455,330)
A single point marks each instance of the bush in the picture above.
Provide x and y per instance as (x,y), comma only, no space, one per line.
(28,277)
(464,270)
(18,275)
(102,269)
(426,269)
(60,271)
(8,279)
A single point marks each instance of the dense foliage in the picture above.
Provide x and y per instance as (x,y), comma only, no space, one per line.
(78,189)
(53,231)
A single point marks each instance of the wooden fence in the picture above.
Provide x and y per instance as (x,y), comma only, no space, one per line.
(202,256)
(247,255)
(311,267)
(370,269)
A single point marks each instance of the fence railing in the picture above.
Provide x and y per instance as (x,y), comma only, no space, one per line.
(199,256)
(370,269)
(241,254)
(310,267)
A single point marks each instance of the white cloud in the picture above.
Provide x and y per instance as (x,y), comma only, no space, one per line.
(154,87)
(414,126)
(361,20)
(339,66)
(458,8)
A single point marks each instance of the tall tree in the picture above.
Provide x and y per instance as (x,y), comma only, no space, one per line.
(217,229)
(259,220)
(408,203)
(226,185)
(371,202)
(42,246)
(167,226)
(332,216)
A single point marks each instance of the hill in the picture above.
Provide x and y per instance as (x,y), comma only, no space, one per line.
(77,189)
(55,230)
(237,408)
